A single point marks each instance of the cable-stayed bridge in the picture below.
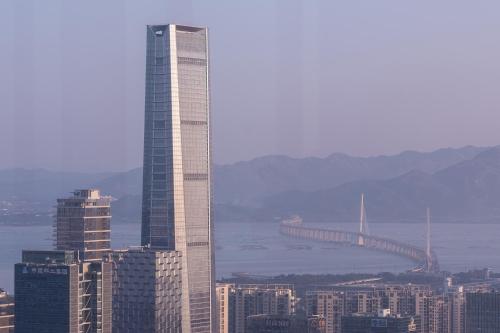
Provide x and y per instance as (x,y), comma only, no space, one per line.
(426,259)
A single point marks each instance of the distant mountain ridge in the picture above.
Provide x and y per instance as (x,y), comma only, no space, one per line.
(322,189)
(468,191)
(246,183)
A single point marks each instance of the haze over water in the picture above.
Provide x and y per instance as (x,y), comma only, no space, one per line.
(258,248)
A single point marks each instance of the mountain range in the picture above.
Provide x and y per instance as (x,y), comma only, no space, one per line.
(459,185)
(467,191)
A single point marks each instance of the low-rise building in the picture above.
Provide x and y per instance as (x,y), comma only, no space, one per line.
(284,324)
(381,323)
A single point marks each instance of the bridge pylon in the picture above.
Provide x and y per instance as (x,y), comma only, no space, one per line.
(428,263)
(363,226)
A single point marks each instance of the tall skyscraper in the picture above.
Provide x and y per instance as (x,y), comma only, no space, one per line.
(6,313)
(176,207)
(57,293)
(83,223)
(147,291)
(482,312)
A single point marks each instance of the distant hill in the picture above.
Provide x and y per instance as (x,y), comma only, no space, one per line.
(42,187)
(464,192)
(122,184)
(328,188)
(247,183)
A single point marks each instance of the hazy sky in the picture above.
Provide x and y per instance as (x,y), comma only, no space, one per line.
(290,77)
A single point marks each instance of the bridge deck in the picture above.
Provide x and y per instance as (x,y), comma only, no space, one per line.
(409,251)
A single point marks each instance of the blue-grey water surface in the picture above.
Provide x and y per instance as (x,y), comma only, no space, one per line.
(258,248)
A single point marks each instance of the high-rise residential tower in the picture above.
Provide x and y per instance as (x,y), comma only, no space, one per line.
(83,224)
(176,207)
(236,302)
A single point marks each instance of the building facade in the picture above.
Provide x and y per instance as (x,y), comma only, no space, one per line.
(366,323)
(57,293)
(329,305)
(332,303)
(457,310)
(83,223)
(177,207)
(482,312)
(283,324)
(6,313)
(147,290)
(236,303)
(225,307)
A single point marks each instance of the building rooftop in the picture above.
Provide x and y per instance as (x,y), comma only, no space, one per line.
(5,298)
(87,193)
(49,257)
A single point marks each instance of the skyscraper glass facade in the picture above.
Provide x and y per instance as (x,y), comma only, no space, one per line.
(176,209)
(56,292)
(147,291)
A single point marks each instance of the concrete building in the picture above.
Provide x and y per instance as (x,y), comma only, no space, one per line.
(329,305)
(334,302)
(439,314)
(482,312)
(147,290)
(57,293)
(442,313)
(6,313)
(366,301)
(456,298)
(226,307)
(177,205)
(402,299)
(236,303)
(284,324)
(83,223)
(386,323)
(316,324)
